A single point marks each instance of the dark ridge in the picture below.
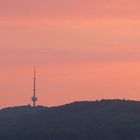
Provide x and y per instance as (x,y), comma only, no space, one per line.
(86,120)
(19,108)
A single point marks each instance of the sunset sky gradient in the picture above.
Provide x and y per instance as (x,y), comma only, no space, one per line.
(83,50)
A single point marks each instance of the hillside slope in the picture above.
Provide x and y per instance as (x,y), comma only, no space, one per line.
(99,120)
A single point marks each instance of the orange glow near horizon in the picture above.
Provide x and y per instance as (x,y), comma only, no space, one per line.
(83,50)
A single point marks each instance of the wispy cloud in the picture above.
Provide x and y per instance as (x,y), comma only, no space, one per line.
(66,56)
(70,8)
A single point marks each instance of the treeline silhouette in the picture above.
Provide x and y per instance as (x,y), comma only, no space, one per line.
(97,120)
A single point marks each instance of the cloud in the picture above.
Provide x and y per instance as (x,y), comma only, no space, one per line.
(70,29)
(57,56)
(69,8)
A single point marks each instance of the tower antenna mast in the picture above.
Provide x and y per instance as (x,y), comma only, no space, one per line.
(34,98)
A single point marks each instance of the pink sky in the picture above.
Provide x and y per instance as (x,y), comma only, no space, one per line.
(83,49)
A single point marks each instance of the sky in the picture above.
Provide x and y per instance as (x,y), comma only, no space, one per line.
(82,49)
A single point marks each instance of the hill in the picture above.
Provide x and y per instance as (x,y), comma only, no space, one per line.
(98,120)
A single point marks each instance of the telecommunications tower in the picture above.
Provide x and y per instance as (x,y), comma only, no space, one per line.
(34,98)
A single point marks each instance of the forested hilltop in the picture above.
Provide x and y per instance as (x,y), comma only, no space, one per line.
(97,120)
